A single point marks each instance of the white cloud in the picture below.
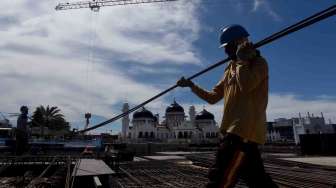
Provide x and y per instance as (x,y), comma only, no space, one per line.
(290,105)
(265,6)
(145,34)
(61,82)
(44,53)
(285,106)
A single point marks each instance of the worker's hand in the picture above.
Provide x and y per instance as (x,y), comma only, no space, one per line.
(184,82)
(246,52)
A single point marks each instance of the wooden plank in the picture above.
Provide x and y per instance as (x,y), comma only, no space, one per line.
(92,167)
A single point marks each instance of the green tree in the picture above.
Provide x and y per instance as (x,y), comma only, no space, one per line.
(50,117)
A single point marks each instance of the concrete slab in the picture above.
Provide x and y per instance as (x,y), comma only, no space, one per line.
(92,167)
(182,152)
(328,161)
(281,154)
(165,157)
(137,159)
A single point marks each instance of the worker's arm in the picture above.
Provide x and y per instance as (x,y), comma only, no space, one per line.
(213,96)
(251,73)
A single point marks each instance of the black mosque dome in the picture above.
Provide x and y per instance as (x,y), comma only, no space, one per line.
(174,107)
(205,115)
(143,113)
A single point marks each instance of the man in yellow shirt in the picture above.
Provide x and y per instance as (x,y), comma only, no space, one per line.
(244,88)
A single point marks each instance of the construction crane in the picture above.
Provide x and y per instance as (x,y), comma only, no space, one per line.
(95,5)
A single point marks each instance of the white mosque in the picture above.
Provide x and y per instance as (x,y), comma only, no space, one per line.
(198,128)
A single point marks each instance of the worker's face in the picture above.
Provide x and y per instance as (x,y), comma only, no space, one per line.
(24,111)
(230,49)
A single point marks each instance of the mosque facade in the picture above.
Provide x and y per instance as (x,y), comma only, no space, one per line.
(175,127)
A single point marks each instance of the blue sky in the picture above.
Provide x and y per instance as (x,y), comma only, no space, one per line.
(140,50)
(299,63)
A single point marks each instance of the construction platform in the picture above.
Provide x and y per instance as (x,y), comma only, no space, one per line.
(326,161)
(168,169)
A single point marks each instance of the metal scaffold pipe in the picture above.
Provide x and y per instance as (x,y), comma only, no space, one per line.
(288,30)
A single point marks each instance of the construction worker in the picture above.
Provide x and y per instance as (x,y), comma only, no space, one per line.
(244,88)
(22,131)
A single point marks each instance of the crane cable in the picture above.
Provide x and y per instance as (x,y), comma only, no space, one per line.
(91,61)
(288,30)
(91,57)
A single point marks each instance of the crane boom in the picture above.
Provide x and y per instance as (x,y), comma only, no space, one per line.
(96,4)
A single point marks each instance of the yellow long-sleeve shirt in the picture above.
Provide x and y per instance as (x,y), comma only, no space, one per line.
(245,99)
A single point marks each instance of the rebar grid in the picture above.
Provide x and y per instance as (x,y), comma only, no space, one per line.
(160,174)
(286,173)
(35,171)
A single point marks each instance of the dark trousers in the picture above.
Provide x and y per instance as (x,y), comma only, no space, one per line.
(237,159)
(21,142)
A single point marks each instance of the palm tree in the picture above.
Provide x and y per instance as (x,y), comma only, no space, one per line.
(49,117)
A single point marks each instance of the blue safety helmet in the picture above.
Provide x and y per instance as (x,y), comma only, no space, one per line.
(231,33)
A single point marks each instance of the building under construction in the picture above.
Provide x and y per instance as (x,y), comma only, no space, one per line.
(164,169)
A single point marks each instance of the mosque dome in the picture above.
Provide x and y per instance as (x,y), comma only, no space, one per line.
(205,115)
(174,107)
(143,113)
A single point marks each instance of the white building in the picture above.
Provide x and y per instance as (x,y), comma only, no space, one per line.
(273,134)
(281,130)
(310,125)
(174,128)
(289,130)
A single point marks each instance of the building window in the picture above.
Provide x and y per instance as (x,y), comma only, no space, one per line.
(180,135)
(185,134)
(140,134)
(152,134)
(146,134)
